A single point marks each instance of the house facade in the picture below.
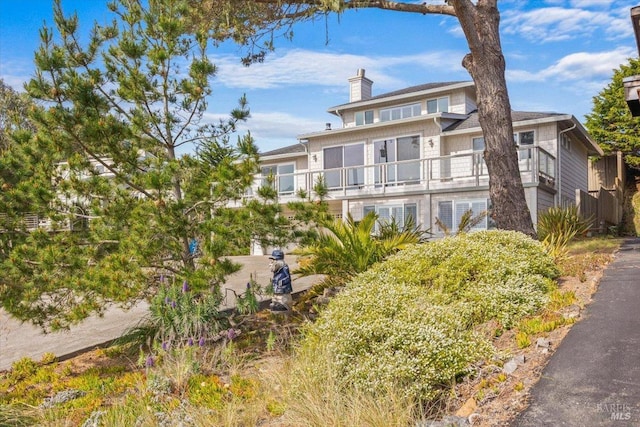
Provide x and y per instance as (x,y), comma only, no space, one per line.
(419,152)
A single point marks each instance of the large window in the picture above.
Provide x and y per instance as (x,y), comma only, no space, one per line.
(450,213)
(400,213)
(280,177)
(389,151)
(344,164)
(438,105)
(364,117)
(398,113)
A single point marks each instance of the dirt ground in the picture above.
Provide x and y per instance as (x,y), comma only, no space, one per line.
(494,398)
(489,399)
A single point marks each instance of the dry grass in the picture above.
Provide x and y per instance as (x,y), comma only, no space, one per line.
(256,381)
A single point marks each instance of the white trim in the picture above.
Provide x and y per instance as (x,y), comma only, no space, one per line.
(383,99)
(375,125)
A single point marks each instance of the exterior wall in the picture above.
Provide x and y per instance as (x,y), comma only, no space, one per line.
(459,102)
(422,128)
(470,104)
(546,200)
(573,173)
(356,207)
(545,136)
(450,170)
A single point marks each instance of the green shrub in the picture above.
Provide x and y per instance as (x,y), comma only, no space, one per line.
(562,221)
(560,225)
(411,321)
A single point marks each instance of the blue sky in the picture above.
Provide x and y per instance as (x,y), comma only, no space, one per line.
(559,55)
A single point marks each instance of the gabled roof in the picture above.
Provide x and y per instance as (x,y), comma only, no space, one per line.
(571,124)
(413,90)
(294,149)
(472,121)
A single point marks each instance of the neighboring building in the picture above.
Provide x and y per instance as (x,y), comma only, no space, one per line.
(419,151)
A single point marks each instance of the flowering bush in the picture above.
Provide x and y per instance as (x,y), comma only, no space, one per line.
(182,316)
(411,321)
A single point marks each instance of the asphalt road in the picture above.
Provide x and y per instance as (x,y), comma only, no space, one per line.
(593,378)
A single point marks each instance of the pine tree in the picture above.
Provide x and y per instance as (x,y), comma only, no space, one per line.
(119,208)
(610,122)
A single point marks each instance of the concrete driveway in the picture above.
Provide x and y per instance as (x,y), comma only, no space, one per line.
(19,340)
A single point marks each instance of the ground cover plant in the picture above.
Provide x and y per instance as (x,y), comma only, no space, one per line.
(266,376)
(412,322)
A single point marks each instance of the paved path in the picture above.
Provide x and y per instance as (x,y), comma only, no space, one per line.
(593,379)
(19,340)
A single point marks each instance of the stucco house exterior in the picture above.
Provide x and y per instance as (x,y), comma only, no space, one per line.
(418,151)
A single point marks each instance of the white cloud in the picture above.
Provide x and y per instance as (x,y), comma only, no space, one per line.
(591,3)
(304,67)
(273,129)
(580,66)
(552,24)
(15,73)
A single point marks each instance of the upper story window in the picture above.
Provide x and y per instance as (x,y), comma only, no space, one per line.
(438,105)
(351,159)
(364,117)
(478,143)
(281,176)
(524,140)
(565,142)
(397,113)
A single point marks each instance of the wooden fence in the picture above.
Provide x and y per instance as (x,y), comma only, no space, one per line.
(604,208)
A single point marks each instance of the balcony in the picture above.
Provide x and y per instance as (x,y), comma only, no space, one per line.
(460,172)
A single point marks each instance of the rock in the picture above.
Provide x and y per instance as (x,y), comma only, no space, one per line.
(322,300)
(571,312)
(94,419)
(475,419)
(510,367)
(467,409)
(454,421)
(447,421)
(543,343)
(62,397)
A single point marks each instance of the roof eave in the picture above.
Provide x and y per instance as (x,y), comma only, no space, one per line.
(377,100)
(453,116)
(592,147)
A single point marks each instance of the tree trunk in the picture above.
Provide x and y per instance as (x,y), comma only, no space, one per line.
(486,65)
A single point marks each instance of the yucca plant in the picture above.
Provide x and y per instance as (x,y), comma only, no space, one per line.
(346,248)
(467,222)
(560,225)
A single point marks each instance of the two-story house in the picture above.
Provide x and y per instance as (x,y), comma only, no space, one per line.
(419,151)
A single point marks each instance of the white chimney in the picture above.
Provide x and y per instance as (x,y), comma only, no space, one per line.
(359,87)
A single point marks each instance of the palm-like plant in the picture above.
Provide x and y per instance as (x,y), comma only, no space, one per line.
(346,248)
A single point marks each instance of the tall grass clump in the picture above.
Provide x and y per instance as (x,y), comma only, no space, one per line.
(558,226)
(411,324)
(178,316)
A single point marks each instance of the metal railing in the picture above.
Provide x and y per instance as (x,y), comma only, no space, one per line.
(458,171)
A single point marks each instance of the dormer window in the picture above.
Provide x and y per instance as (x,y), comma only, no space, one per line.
(397,113)
(438,105)
(364,117)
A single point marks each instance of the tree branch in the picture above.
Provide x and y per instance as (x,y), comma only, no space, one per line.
(321,6)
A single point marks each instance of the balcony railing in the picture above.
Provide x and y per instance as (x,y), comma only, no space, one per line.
(459,171)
